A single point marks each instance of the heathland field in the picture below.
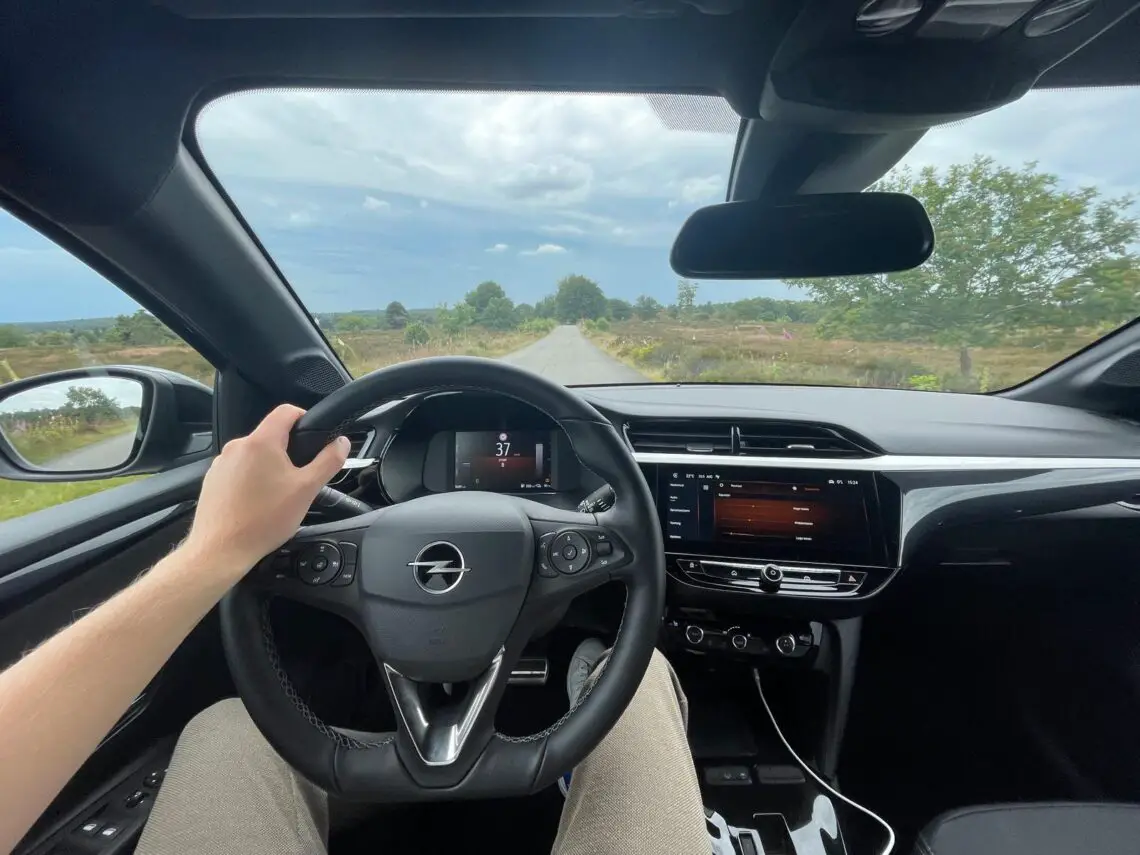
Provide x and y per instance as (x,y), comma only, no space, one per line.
(714,351)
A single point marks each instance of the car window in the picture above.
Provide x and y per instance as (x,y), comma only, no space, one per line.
(57,313)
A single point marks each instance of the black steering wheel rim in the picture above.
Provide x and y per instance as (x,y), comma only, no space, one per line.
(403,766)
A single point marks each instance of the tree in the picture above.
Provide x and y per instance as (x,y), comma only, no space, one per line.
(416,334)
(353,323)
(524,312)
(91,405)
(454,322)
(686,295)
(395,315)
(577,299)
(545,308)
(1015,250)
(483,294)
(499,314)
(619,310)
(646,308)
(140,328)
(11,336)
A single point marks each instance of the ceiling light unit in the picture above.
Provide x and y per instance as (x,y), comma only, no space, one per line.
(883,17)
(1056,16)
(974,20)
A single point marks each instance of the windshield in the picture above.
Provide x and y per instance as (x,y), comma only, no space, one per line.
(536,227)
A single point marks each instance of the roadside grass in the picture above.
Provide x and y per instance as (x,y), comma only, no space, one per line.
(42,446)
(18,498)
(757,353)
(366,351)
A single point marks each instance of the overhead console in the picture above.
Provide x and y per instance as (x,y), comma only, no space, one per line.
(777,532)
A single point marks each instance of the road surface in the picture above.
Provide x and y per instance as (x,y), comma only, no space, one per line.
(105,454)
(566,356)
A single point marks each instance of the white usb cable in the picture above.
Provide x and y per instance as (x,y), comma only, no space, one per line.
(772,717)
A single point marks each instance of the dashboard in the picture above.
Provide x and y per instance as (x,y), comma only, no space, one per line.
(763,495)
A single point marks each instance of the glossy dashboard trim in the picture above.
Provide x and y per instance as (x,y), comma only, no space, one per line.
(894,462)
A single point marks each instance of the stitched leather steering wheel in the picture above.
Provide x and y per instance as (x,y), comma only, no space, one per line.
(448,588)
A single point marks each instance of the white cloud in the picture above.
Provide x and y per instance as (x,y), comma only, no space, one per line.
(423,203)
(499,247)
(693,191)
(545,249)
(301,218)
(371,203)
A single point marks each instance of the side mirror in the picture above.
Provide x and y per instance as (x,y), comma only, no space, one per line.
(90,423)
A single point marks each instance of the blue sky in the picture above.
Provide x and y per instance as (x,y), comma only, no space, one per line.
(367,197)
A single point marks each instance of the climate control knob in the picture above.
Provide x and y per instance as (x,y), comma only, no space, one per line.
(739,641)
(694,634)
(786,644)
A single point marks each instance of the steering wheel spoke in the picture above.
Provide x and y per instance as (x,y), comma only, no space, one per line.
(438,721)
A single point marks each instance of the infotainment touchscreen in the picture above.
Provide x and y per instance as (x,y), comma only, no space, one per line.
(809,515)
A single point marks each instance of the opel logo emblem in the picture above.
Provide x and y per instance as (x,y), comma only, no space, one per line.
(439,567)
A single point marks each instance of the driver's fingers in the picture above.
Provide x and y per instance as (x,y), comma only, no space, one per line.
(328,462)
(275,427)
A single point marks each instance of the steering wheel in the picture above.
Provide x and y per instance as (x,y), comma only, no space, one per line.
(448,589)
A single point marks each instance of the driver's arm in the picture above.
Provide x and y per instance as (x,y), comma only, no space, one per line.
(59,701)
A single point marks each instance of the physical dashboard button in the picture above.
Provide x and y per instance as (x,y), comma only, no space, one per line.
(770,577)
(604,547)
(569,552)
(786,644)
(318,563)
(739,641)
(694,634)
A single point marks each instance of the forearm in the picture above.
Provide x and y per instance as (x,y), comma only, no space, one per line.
(59,701)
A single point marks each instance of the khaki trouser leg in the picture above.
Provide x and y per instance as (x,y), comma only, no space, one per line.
(227,791)
(637,792)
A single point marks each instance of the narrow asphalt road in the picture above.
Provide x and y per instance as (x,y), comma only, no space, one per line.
(568,357)
(106,454)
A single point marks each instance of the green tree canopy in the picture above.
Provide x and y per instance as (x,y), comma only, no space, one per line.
(578,298)
(140,328)
(499,314)
(646,308)
(395,315)
(1014,249)
(619,310)
(483,294)
(686,295)
(416,334)
(545,308)
(453,322)
(11,336)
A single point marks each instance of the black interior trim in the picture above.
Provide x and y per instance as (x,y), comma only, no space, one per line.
(43,534)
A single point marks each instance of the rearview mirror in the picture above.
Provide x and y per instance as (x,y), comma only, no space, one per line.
(827,234)
(74,425)
(92,423)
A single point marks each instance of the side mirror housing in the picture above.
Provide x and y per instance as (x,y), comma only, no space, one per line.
(85,424)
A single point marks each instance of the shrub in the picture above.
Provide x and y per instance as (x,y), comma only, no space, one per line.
(416,334)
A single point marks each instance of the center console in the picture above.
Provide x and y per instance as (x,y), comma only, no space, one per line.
(803,533)
(766,567)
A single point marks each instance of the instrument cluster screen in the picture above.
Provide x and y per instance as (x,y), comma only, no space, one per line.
(502,461)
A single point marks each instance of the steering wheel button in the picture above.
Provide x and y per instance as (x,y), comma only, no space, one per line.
(346,576)
(604,547)
(348,553)
(320,563)
(569,552)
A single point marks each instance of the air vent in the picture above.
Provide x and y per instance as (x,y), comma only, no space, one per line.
(359,441)
(681,437)
(796,439)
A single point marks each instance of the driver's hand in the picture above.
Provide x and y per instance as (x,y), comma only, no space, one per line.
(254,498)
